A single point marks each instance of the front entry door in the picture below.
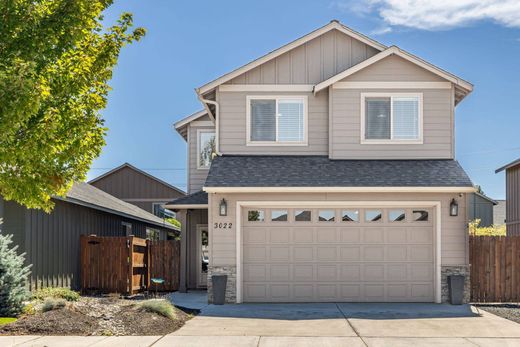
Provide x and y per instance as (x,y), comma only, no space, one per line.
(202,255)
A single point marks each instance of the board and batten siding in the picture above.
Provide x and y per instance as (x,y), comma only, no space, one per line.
(136,188)
(196,176)
(51,240)
(438,115)
(454,235)
(513,200)
(233,120)
(310,63)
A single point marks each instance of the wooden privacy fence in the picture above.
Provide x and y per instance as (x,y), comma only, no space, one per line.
(127,264)
(495,268)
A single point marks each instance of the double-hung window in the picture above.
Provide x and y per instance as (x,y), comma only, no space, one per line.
(276,120)
(391,118)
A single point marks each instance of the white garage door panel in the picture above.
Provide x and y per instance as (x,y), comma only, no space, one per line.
(382,261)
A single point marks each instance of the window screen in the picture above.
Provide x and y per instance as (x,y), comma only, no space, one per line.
(263,120)
(406,118)
(290,120)
(377,120)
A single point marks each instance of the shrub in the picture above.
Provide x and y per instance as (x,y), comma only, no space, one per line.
(53,304)
(162,307)
(494,230)
(57,293)
(13,278)
(7,320)
(173,221)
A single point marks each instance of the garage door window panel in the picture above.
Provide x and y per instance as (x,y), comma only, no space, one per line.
(396,215)
(279,215)
(420,215)
(326,216)
(373,215)
(255,216)
(302,215)
(350,216)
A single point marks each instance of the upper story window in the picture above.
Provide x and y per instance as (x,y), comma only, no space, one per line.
(205,148)
(391,118)
(276,120)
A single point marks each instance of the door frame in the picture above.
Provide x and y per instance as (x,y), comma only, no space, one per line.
(200,228)
(361,204)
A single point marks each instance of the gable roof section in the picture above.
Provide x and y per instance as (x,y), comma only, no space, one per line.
(181,125)
(87,195)
(508,166)
(130,166)
(321,174)
(333,25)
(196,200)
(464,86)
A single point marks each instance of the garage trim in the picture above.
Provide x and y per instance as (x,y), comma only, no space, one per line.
(435,204)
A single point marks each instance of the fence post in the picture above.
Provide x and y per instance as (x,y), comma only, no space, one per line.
(130,280)
(148,263)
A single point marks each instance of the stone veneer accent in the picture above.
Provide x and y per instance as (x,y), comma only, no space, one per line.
(455,270)
(231,285)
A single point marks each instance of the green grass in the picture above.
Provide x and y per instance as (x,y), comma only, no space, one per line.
(7,320)
(56,293)
(162,307)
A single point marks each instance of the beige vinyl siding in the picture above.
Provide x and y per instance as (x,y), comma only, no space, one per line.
(454,249)
(311,62)
(392,69)
(232,125)
(513,200)
(196,177)
(437,115)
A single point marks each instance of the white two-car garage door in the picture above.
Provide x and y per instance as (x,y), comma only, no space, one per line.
(338,254)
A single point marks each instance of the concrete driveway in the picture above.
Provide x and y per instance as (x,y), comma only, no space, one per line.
(344,324)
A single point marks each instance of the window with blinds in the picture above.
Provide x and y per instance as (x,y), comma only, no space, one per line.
(278,120)
(392,118)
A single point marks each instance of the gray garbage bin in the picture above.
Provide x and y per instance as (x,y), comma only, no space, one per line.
(456,289)
(219,289)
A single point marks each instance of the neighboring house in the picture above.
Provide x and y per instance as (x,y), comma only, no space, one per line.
(499,212)
(512,197)
(139,188)
(334,177)
(481,206)
(51,241)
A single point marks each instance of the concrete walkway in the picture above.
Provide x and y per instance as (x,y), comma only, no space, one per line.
(313,325)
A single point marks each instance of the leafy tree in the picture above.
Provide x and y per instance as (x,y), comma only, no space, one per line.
(56,59)
(173,221)
(13,277)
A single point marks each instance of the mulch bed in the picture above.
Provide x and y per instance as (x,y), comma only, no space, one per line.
(507,311)
(97,316)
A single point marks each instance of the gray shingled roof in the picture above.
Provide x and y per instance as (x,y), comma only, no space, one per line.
(198,198)
(320,171)
(85,194)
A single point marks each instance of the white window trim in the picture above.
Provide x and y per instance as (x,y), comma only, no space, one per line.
(418,141)
(199,132)
(276,98)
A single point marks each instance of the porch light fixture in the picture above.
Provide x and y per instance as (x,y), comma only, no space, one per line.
(223,207)
(454,208)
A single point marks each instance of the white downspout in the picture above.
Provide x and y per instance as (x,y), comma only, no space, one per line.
(214,103)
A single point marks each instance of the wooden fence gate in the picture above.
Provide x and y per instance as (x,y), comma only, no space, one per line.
(127,264)
(495,268)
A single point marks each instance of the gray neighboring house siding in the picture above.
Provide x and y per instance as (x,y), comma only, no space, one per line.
(512,197)
(499,212)
(136,187)
(51,241)
(481,207)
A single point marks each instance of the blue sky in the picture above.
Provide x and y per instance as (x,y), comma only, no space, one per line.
(189,43)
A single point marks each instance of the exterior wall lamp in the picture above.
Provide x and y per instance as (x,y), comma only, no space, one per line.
(223,207)
(454,208)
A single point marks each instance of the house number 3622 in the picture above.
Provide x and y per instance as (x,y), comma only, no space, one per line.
(223,225)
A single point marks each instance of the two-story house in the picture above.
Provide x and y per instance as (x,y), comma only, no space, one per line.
(333,178)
